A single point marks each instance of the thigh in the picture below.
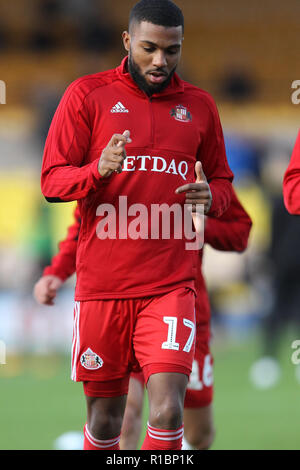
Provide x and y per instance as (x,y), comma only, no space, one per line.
(102,340)
(164,336)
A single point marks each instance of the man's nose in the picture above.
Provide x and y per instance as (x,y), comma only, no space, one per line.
(159,59)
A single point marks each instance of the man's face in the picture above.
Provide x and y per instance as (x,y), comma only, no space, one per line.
(154,52)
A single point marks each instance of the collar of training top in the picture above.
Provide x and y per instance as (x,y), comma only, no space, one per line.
(175,86)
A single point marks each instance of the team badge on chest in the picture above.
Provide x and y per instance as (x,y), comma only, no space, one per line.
(180,113)
(90,360)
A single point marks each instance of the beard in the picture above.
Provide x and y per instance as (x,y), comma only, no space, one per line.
(142,83)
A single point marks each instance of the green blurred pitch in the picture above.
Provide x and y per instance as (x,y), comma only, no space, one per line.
(39,402)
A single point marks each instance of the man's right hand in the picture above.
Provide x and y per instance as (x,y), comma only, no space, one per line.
(46,288)
(113,155)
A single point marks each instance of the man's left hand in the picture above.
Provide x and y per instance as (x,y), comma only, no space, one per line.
(198,192)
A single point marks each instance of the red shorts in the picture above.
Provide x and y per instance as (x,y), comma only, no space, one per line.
(199,391)
(112,338)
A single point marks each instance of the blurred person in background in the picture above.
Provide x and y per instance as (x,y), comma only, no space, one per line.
(238,289)
(283,264)
(228,233)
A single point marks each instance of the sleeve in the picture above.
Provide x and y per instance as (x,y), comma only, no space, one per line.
(212,155)
(63,265)
(230,232)
(64,177)
(291,181)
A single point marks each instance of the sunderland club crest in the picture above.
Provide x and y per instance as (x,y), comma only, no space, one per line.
(90,360)
(180,113)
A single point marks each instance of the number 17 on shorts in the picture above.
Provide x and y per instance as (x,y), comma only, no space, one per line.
(171,343)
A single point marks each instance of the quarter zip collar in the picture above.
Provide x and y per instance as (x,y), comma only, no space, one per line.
(175,86)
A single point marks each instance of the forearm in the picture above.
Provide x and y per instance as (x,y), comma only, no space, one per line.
(62,266)
(68,183)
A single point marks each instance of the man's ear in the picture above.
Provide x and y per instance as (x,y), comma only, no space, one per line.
(126,40)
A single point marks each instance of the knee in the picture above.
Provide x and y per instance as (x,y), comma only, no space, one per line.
(201,438)
(167,415)
(104,423)
(104,426)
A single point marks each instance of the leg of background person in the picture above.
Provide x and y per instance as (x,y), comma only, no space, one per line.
(199,429)
(166,393)
(276,322)
(132,423)
(104,421)
(265,372)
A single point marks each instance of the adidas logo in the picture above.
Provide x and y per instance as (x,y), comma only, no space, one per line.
(119,108)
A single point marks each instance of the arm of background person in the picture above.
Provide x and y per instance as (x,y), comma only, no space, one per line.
(63,264)
(231,231)
(291,181)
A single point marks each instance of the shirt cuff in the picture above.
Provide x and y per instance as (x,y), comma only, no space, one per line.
(94,170)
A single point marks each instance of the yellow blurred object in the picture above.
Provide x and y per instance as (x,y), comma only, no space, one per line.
(258,207)
(22,195)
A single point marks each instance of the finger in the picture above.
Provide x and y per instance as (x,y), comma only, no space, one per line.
(118,158)
(198,194)
(200,175)
(51,295)
(45,300)
(191,186)
(117,140)
(117,167)
(199,204)
(202,200)
(125,134)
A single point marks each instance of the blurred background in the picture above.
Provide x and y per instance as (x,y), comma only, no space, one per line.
(246,54)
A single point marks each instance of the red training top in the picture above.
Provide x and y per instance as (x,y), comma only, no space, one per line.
(169,132)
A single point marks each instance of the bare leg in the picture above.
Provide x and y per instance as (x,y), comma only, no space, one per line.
(166,397)
(198,427)
(132,423)
(104,416)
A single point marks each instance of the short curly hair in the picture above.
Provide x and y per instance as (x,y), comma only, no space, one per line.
(159,12)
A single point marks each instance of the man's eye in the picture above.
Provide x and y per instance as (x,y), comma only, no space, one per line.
(172,51)
(148,49)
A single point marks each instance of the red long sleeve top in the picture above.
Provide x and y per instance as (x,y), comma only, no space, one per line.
(169,132)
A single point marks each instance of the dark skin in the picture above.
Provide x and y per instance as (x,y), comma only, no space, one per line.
(156,51)
(198,192)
